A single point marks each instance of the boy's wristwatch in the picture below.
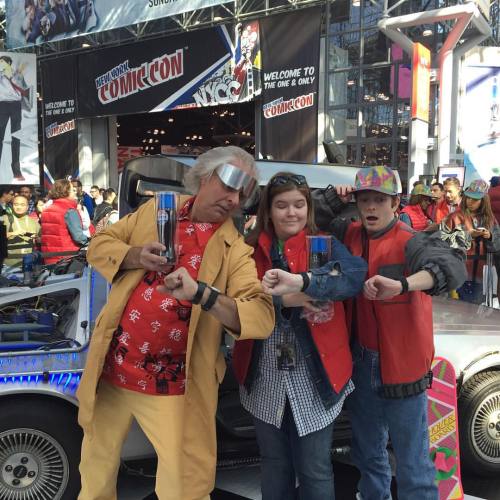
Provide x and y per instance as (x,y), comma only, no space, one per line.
(214,293)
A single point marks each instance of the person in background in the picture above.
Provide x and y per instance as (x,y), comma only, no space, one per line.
(6,195)
(39,207)
(155,352)
(451,201)
(476,216)
(96,195)
(415,213)
(61,224)
(27,192)
(437,190)
(105,207)
(83,197)
(391,325)
(494,194)
(293,383)
(87,226)
(22,232)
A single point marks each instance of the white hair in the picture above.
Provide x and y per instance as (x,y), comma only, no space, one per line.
(207,162)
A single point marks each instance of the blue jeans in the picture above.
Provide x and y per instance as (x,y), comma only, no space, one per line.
(284,455)
(373,420)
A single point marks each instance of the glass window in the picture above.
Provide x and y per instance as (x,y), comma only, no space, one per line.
(377,121)
(376,47)
(343,88)
(377,84)
(376,154)
(344,50)
(403,120)
(344,15)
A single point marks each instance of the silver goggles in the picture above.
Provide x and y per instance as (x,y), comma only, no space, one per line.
(235,178)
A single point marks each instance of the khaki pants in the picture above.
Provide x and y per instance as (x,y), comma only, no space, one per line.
(161,419)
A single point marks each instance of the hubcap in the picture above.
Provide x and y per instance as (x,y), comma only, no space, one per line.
(486,429)
(33,466)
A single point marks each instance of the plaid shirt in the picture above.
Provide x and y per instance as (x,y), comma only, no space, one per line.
(272,387)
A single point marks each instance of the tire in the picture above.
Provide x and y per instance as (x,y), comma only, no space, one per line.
(479,424)
(40,443)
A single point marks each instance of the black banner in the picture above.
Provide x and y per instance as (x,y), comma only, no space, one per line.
(290,65)
(60,134)
(194,69)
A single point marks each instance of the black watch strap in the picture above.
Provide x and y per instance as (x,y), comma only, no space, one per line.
(404,285)
(211,299)
(306,281)
(199,293)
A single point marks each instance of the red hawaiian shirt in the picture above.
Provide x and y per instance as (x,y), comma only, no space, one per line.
(148,349)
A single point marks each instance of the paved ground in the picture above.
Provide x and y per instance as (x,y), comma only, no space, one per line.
(243,484)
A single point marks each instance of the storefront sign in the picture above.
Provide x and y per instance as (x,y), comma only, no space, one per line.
(421,82)
(18,119)
(290,54)
(201,68)
(60,134)
(36,22)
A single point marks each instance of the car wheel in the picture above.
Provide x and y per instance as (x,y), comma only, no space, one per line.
(40,443)
(479,423)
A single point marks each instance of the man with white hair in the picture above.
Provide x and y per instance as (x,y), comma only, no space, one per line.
(154,354)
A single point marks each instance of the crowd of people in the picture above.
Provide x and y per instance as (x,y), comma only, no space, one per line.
(63,220)
(155,356)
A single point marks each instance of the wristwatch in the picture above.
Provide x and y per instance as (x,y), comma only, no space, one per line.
(199,293)
(214,293)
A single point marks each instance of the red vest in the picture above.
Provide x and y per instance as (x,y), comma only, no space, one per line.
(330,338)
(55,234)
(404,323)
(419,220)
(494,194)
(441,210)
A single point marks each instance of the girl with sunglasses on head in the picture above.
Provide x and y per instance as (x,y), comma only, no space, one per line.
(295,382)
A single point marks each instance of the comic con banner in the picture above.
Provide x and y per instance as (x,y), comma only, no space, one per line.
(290,59)
(201,68)
(60,135)
(36,21)
(18,119)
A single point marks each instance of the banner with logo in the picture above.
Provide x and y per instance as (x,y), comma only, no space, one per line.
(290,60)
(201,68)
(126,153)
(60,134)
(18,119)
(34,21)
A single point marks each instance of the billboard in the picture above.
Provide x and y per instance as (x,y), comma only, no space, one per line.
(36,21)
(290,59)
(18,119)
(196,69)
(421,85)
(480,136)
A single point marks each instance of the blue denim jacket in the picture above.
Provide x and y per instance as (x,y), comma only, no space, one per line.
(323,286)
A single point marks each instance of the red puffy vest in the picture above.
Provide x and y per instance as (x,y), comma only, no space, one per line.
(330,338)
(404,323)
(55,234)
(419,220)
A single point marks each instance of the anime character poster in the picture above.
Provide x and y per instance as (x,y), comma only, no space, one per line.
(36,21)
(18,119)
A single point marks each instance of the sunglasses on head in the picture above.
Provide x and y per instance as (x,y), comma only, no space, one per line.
(281,180)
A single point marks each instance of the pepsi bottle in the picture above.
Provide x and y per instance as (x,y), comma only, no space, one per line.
(166,222)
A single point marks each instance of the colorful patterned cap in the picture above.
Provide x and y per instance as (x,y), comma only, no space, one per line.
(477,189)
(421,189)
(380,178)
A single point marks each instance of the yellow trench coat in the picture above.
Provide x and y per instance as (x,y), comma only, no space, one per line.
(227,265)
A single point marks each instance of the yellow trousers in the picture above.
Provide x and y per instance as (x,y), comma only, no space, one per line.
(161,419)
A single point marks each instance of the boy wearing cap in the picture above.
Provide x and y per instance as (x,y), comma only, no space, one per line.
(415,213)
(391,324)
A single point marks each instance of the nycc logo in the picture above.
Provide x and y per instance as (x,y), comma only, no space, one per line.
(280,107)
(55,128)
(221,90)
(122,81)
